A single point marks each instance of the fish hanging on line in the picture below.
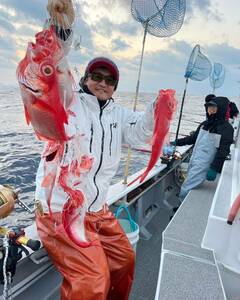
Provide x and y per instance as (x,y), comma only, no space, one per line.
(46,86)
(41,81)
(165,106)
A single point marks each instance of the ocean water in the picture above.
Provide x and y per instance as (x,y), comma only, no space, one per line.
(20,150)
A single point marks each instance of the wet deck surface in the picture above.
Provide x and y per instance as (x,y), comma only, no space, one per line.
(148,259)
(189,271)
(182,230)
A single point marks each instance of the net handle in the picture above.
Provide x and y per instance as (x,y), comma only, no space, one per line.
(126,169)
(181,111)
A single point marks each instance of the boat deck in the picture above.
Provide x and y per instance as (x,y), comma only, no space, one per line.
(188,271)
(148,259)
(185,264)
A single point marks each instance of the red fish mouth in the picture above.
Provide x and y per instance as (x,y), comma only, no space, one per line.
(30,88)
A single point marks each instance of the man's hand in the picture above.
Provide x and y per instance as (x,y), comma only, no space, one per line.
(61,12)
(211,175)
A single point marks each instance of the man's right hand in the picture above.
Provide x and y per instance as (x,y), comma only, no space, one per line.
(61,12)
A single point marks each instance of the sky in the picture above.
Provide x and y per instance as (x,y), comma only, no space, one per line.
(107,28)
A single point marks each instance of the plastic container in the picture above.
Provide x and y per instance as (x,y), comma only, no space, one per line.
(130,227)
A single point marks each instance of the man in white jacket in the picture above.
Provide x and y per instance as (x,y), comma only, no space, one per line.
(104,270)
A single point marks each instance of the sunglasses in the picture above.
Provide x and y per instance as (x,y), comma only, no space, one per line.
(98,77)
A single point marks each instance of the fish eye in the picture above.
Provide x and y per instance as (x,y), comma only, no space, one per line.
(47,70)
(49,40)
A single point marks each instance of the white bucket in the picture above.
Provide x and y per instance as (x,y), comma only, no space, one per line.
(129,226)
(133,236)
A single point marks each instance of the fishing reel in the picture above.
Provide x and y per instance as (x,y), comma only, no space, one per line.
(8,198)
(170,154)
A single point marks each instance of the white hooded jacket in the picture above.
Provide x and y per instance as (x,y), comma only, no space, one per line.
(99,133)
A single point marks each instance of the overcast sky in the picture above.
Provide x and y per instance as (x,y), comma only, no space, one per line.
(107,28)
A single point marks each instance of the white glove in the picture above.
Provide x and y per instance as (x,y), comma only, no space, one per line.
(61,12)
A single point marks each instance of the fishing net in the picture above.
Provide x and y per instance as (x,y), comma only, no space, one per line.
(217,76)
(162,17)
(199,66)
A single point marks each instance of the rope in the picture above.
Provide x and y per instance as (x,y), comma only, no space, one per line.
(6,275)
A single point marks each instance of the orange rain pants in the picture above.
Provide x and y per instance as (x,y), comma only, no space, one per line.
(99,272)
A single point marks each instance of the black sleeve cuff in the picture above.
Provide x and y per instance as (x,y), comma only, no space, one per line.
(61,33)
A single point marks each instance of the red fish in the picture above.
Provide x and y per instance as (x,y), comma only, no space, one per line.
(39,77)
(165,106)
(46,87)
(73,213)
(234,210)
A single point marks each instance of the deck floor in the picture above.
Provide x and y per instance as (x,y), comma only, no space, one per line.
(148,259)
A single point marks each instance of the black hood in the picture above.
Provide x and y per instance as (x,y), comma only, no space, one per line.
(220,116)
(222,105)
(233,110)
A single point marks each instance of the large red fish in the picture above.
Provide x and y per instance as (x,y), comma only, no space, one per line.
(46,87)
(39,77)
(165,106)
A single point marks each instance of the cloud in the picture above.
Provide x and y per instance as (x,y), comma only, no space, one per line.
(172,60)
(27,9)
(113,3)
(107,28)
(129,28)
(119,45)
(6,25)
(6,44)
(225,54)
(26,30)
(205,7)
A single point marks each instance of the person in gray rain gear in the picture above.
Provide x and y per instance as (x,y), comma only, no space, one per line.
(212,141)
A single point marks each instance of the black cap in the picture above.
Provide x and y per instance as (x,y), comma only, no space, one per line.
(210,103)
(209,97)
